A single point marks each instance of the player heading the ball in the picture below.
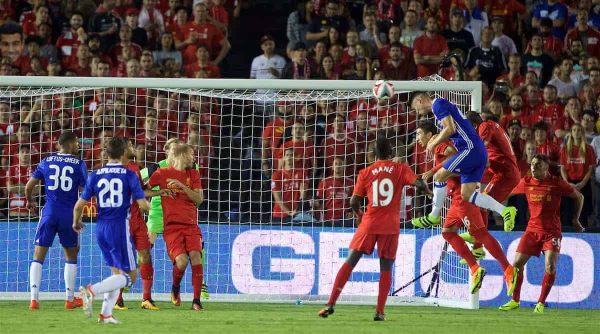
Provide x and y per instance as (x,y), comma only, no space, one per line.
(63,174)
(469,163)
(115,187)
(382,183)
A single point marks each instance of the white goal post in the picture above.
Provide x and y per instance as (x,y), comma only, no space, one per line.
(252,254)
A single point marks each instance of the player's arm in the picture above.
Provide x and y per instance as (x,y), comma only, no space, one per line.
(77,213)
(355,203)
(195,195)
(143,204)
(449,152)
(422,187)
(29,187)
(447,131)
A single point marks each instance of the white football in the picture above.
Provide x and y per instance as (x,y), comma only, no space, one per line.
(383,90)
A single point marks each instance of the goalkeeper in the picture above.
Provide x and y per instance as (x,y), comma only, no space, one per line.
(155,215)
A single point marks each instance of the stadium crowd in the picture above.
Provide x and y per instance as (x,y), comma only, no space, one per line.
(539,62)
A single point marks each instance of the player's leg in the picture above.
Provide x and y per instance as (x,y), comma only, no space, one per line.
(449,233)
(179,265)
(387,246)
(35,275)
(342,277)
(493,246)
(519,263)
(147,277)
(439,196)
(469,192)
(197,275)
(110,297)
(70,274)
(204,294)
(551,257)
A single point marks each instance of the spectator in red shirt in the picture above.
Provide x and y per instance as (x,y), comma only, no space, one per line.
(429,49)
(202,63)
(550,110)
(434,11)
(400,65)
(218,12)
(544,145)
(514,130)
(571,116)
(82,66)
(147,68)
(516,112)
(10,152)
(139,35)
(588,35)
(152,139)
(125,42)
(514,79)
(69,40)
(304,149)
(338,144)
(11,44)
(170,13)
(551,45)
(272,135)
(511,10)
(151,19)
(332,199)
(577,162)
(17,177)
(42,15)
(202,31)
(95,157)
(394,35)
(288,187)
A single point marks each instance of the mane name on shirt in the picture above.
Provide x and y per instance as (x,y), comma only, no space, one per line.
(387,169)
(111,170)
(71,160)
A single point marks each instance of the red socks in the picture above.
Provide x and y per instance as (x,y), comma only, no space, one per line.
(517,293)
(460,247)
(547,284)
(385,282)
(340,280)
(177,276)
(484,217)
(147,276)
(197,280)
(492,246)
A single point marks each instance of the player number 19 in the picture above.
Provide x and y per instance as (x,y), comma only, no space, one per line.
(114,189)
(383,192)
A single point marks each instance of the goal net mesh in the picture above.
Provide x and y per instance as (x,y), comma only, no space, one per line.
(304,147)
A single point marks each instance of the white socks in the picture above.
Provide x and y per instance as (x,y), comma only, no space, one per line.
(110,299)
(35,279)
(70,274)
(112,283)
(486,202)
(439,195)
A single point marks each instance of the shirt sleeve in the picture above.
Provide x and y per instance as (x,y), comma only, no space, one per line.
(486,131)
(83,173)
(134,185)
(520,188)
(88,190)
(195,179)
(564,189)
(276,182)
(155,179)
(38,173)
(440,109)
(408,175)
(359,188)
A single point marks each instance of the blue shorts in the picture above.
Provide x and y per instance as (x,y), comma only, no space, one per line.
(470,164)
(53,222)
(116,245)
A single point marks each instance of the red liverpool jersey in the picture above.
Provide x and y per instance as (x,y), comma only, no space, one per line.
(500,152)
(382,183)
(180,208)
(543,197)
(136,214)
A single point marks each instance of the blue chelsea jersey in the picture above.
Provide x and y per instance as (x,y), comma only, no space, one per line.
(465,137)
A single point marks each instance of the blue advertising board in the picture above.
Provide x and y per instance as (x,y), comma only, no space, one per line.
(303,260)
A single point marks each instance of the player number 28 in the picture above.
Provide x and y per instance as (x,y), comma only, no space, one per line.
(110,194)
(61,178)
(383,192)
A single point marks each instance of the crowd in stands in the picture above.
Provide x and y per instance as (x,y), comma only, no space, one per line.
(538,62)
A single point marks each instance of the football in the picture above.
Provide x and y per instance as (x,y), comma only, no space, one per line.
(383,90)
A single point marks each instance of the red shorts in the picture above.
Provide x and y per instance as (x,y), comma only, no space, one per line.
(387,244)
(182,238)
(465,214)
(502,183)
(533,243)
(139,234)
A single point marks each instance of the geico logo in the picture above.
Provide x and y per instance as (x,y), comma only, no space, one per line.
(309,267)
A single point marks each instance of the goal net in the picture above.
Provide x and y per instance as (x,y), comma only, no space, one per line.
(278,161)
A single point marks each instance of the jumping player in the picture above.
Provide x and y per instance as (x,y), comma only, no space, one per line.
(181,231)
(462,213)
(115,187)
(470,161)
(502,166)
(543,233)
(63,174)
(382,182)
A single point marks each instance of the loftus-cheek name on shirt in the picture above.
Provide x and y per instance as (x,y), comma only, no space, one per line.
(111,170)
(70,160)
(386,169)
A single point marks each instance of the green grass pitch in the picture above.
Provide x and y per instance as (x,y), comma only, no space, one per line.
(225,318)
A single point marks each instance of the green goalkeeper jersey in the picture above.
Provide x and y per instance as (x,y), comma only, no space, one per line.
(155,216)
